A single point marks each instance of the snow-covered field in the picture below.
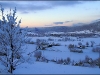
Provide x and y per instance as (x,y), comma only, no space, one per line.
(51,68)
(31,66)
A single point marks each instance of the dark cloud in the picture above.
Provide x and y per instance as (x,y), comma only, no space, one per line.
(9,4)
(58,23)
(68,21)
(48,25)
(78,24)
(65,3)
(62,22)
(31,6)
(23,7)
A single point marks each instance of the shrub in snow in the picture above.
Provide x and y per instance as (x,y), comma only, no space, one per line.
(76,64)
(80,51)
(47,60)
(66,39)
(50,39)
(83,46)
(41,44)
(11,40)
(44,59)
(38,54)
(38,41)
(93,63)
(68,60)
(53,60)
(92,43)
(49,45)
(52,44)
(65,62)
(90,61)
(75,50)
(87,58)
(90,64)
(59,61)
(97,49)
(73,63)
(29,41)
(99,62)
(96,62)
(86,65)
(87,44)
(70,46)
(57,44)
(59,39)
(81,63)
(80,44)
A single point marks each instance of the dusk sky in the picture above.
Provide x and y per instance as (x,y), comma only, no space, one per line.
(54,13)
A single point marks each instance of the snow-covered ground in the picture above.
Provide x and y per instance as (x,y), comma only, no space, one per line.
(31,66)
(51,68)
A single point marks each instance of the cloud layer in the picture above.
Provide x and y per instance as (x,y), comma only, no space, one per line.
(56,23)
(24,6)
(68,21)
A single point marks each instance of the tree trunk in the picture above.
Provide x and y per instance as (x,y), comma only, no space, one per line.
(11,66)
(99,58)
(11,63)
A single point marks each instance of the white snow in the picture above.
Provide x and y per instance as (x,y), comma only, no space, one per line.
(51,68)
(31,66)
(59,52)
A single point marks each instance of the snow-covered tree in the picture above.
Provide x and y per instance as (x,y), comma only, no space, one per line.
(80,44)
(92,43)
(87,44)
(11,40)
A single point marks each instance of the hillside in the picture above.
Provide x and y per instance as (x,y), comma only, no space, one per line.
(95,26)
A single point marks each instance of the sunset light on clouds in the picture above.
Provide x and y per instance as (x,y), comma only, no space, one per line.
(54,13)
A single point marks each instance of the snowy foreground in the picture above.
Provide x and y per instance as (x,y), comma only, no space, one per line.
(31,66)
(51,68)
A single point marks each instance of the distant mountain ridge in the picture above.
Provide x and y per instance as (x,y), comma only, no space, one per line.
(94,26)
